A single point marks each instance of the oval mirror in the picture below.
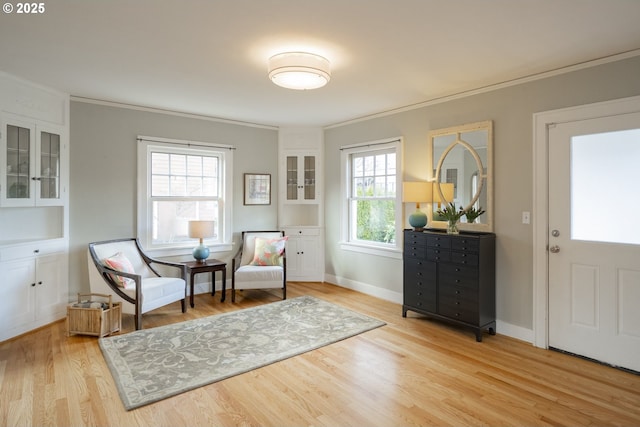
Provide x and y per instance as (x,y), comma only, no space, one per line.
(462,172)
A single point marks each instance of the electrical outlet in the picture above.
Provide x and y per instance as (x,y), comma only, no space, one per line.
(526,217)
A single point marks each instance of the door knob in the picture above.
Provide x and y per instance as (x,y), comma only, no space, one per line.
(555,233)
(554,249)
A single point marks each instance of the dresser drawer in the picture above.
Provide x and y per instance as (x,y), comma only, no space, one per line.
(412,238)
(415,251)
(421,296)
(465,296)
(438,254)
(465,244)
(465,258)
(454,275)
(416,269)
(461,312)
(437,241)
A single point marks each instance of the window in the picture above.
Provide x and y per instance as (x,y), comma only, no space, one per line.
(180,182)
(372,214)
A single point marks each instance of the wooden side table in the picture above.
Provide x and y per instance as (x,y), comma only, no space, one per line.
(211,265)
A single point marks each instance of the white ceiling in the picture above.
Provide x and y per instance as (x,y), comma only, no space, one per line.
(209,57)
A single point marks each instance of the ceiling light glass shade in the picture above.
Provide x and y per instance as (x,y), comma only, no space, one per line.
(299,70)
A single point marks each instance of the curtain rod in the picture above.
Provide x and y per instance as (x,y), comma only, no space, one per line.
(179,142)
(369,144)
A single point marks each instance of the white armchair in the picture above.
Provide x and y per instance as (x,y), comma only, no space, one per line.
(121,266)
(261,263)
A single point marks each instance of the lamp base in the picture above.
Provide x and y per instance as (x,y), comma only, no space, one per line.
(418,220)
(201,253)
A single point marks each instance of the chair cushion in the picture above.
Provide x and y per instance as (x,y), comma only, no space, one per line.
(158,287)
(255,273)
(120,262)
(268,251)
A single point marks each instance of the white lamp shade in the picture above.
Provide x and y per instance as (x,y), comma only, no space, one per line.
(416,192)
(299,70)
(201,229)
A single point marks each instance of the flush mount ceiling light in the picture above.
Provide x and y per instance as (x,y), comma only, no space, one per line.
(299,70)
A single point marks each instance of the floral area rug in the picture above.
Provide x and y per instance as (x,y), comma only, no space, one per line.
(152,364)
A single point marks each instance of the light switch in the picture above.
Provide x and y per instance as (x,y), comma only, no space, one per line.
(526,217)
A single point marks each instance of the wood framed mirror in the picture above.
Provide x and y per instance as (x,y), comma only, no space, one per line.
(463,173)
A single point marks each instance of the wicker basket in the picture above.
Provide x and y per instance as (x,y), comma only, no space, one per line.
(94,321)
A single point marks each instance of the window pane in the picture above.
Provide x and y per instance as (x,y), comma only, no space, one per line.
(160,186)
(194,165)
(380,186)
(368,166)
(210,187)
(605,165)
(194,186)
(374,220)
(178,186)
(160,163)
(391,164)
(358,166)
(178,164)
(171,219)
(210,166)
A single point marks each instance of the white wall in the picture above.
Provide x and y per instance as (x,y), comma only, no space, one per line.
(511,110)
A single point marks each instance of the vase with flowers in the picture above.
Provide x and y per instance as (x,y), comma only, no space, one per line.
(452,215)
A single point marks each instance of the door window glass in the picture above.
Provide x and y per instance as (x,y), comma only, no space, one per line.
(605,206)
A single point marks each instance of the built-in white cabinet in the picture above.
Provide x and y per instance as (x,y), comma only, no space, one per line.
(303,254)
(34,205)
(301,201)
(35,155)
(34,289)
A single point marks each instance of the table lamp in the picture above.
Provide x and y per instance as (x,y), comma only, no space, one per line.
(447,192)
(201,230)
(417,192)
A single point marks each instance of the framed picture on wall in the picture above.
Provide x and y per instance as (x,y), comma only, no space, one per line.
(257,188)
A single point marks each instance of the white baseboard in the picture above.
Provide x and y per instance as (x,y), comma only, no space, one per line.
(503,328)
(365,288)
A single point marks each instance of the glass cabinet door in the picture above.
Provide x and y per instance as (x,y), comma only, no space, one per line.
(18,162)
(301,177)
(49,178)
(292,177)
(309,177)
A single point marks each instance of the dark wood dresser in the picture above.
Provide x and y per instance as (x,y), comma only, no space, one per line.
(451,277)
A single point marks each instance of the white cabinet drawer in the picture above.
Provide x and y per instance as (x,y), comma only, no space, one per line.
(25,250)
(302,231)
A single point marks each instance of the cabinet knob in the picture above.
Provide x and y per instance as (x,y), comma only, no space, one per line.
(40,282)
(37,251)
(33,284)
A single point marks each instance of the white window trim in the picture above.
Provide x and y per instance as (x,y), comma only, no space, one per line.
(390,251)
(145,145)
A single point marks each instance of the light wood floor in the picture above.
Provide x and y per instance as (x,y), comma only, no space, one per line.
(413,371)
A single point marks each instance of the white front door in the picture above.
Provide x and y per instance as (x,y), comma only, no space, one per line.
(594,238)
